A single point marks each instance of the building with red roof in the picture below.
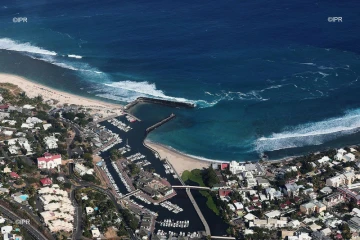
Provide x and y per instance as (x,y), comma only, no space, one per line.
(49,161)
(4,108)
(45,181)
(224,193)
(224,166)
(14,175)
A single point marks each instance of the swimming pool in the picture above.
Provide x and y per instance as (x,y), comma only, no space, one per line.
(24,197)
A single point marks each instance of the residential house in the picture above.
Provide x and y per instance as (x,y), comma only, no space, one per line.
(342,179)
(236,167)
(291,189)
(49,161)
(312,206)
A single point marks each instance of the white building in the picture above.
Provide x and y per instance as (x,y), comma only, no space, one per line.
(47,126)
(59,211)
(349,157)
(324,160)
(82,170)
(51,142)
(49,161)
(342,179)
(33,120)
(236,167)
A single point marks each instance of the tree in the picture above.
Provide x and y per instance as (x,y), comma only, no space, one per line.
(209,177)
(88,157)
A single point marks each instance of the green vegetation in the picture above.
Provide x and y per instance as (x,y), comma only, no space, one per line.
(133,168)
(197,176)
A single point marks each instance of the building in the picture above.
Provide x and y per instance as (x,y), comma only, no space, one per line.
(14,175)
(45,181)
(263,182)
(95,233)
(351,192)
(51,142)
(342,179)
(82,170)
(355,223)
(49,161)
(269,223)
(291,189)
(333,199)
(324,160)
(58,212)
(311,207)
(236,167)
(349,157)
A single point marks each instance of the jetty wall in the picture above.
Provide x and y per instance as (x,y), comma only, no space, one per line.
(159,101)
(156,125)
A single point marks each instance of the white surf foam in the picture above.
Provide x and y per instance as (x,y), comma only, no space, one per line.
(9,44)
(74,56)
(311,133)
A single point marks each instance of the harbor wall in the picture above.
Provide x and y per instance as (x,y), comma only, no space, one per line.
(160,101)
(153,127)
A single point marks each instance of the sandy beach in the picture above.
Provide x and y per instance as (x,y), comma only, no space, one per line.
(34,89)
(180,162)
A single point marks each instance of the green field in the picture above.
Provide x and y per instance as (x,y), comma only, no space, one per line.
(196,177)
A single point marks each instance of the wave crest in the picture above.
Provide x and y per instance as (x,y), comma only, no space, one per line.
(312,133)
(9,44)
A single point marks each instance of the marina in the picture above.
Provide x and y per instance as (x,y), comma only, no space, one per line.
(171,207)
(171,223)
(180,207)
(119,124)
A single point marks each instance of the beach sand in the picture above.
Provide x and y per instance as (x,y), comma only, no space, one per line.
(34,89)
(179,161)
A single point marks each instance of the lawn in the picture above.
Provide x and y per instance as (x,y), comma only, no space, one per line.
(196,177)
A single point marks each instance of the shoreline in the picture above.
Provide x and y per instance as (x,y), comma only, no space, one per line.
(180,161)
(33,89)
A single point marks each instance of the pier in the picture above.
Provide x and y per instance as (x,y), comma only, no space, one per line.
(193,187)
(130,194)
(197,209)
(149,129)
(159,101)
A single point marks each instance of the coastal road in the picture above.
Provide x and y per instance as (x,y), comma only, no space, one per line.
(77,233)
(31,229)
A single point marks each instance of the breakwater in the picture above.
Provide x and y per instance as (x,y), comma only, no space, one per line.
(156,125)
(159,101)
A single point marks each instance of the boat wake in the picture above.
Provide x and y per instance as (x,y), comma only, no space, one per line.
(311,133)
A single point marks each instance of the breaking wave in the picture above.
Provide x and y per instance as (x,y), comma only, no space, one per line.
(74,56)
(311,133)
(8,44)
(127,91)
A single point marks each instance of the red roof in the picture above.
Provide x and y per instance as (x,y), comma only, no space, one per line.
(224,193)
(4,106)
(48,157)
(14,175)
(224,166)
(45,181)
(283,205)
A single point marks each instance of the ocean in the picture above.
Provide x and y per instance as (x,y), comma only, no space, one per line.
(266,77)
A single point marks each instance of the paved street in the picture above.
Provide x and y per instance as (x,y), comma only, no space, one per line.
(32,230)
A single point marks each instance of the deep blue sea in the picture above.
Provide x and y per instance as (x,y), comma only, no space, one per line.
(273,77)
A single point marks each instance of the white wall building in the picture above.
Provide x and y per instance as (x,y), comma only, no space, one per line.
(236,167)
(49,161)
